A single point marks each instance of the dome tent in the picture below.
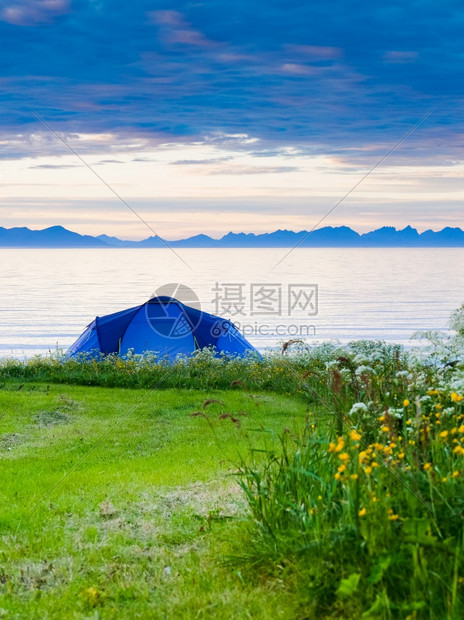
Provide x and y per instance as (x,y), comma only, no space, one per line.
(163,325)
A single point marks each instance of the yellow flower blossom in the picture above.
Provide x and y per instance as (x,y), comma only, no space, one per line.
(362,512)
(409,421)
(393,517)
(354,476)
(461,428)
(368,470)
(444,434)
(401,455)
(384,429)
(344,456)
(432,392)
(337,476)
(427,466)
(456,397)
(355,435)
(459,450)
(455,474)
(444,479)
(405,402)
(381,418)
(342,468)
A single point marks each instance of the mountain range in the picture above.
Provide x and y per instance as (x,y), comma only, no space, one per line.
(340,236)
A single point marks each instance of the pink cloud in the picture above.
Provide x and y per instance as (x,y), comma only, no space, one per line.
(396,56)
(178,30)
(25,13)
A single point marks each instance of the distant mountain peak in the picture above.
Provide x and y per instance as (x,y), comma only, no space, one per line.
(327,236)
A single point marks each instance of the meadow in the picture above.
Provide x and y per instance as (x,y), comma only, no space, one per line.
(317,482)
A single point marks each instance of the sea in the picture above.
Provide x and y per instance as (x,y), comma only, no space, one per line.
(312,295)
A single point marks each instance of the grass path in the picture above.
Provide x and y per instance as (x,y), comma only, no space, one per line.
(140,528)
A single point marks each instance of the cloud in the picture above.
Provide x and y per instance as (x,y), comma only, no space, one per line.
(400,57)
(27,13)
(177,30)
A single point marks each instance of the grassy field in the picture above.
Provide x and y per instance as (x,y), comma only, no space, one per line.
(327,483)
(142,526)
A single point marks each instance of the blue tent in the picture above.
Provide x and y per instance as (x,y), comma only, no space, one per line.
(162,325)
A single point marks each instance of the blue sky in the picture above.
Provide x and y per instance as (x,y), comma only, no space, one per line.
(217,116)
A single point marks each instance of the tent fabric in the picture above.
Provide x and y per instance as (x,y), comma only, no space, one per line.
(163,325)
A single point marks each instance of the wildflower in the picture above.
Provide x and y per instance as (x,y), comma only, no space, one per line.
(444,479)
(368,470)
(331,446)
(381,418)
(385,429)
(456,398)
(354,476)
(427,466)
(362,456)
(438,406)
(319,497)
(409,421)
(337,476)
(393,517)
(455,474)
(444,434)
(461,428)
(405,402)
(362,512)
(342,468)
(401,455)
(358,407)
(411,442)
(374,499)
(459,450)
(344,456)
(355,436)
(432,392)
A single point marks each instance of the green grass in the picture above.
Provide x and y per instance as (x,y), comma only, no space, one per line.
(141,527)
(324,483)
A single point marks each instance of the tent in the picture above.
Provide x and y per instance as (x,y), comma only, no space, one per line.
(162,325)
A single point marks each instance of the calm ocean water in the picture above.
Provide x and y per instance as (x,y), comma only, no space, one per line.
(49,296)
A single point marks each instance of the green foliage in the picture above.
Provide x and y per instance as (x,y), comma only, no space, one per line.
(362,510)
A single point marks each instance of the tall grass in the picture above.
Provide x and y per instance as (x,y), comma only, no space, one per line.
(364,516)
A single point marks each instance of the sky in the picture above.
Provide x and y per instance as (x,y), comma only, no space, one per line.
(210,117)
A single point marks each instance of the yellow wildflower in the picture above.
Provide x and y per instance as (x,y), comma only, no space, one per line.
(319,497)
(438,407)
(384,429)
(444,479)
(381,418)
(337,476)
(354,476)
(331,446)
(405,402)
(427,466)
(461,428)
(432,392)
(455,474)
(344,456)
(459,450)
(362,512)
(355,435)
(368,470)
(342,468)
(409,421)
(456,398)
(393,517)
(444,434)
(401,455)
